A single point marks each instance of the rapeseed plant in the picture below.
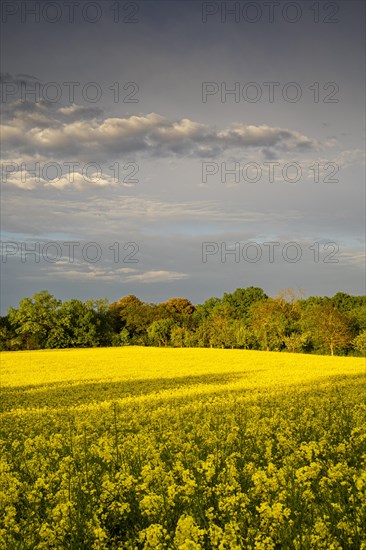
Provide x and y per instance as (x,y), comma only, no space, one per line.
(143,448)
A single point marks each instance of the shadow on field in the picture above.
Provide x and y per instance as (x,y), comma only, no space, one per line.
(325,384)
(61,394)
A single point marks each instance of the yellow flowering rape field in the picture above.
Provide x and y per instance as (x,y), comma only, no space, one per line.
(159,448)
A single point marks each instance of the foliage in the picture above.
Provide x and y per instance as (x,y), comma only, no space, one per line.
(330,326)
(181,306)
(35,320)
(159,332)
(246,319)
(359,343)
(242,300)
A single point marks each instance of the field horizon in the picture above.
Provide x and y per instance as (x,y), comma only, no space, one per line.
(39,370)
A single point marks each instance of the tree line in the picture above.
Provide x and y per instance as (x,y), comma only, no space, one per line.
(245,319)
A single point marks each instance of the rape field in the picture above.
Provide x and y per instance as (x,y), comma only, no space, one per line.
(150,448)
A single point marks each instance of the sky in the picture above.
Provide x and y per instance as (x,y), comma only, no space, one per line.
(182,148)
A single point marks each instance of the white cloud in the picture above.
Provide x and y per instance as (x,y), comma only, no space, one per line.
(41,129)
(156,277)
(92,272)
(30,179)
(40,132)
(354,258)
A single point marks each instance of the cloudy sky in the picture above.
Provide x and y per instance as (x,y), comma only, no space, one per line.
(182,148)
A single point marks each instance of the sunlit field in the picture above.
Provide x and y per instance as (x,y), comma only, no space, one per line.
(162,448)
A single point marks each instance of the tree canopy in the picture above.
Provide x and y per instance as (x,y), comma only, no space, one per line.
(244,319)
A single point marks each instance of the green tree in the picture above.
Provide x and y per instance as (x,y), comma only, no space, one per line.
(330,328)
(9,340)
(296,342)
(36,320)
(202,311)
(268,322)
(242,299)
(221,334)
(357,319)
(180,337)
(180,306)
(159,332)
(359,343)
(79,321)
(121,339)
(104,321)
(200,337)
(243,336)
(137,316)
